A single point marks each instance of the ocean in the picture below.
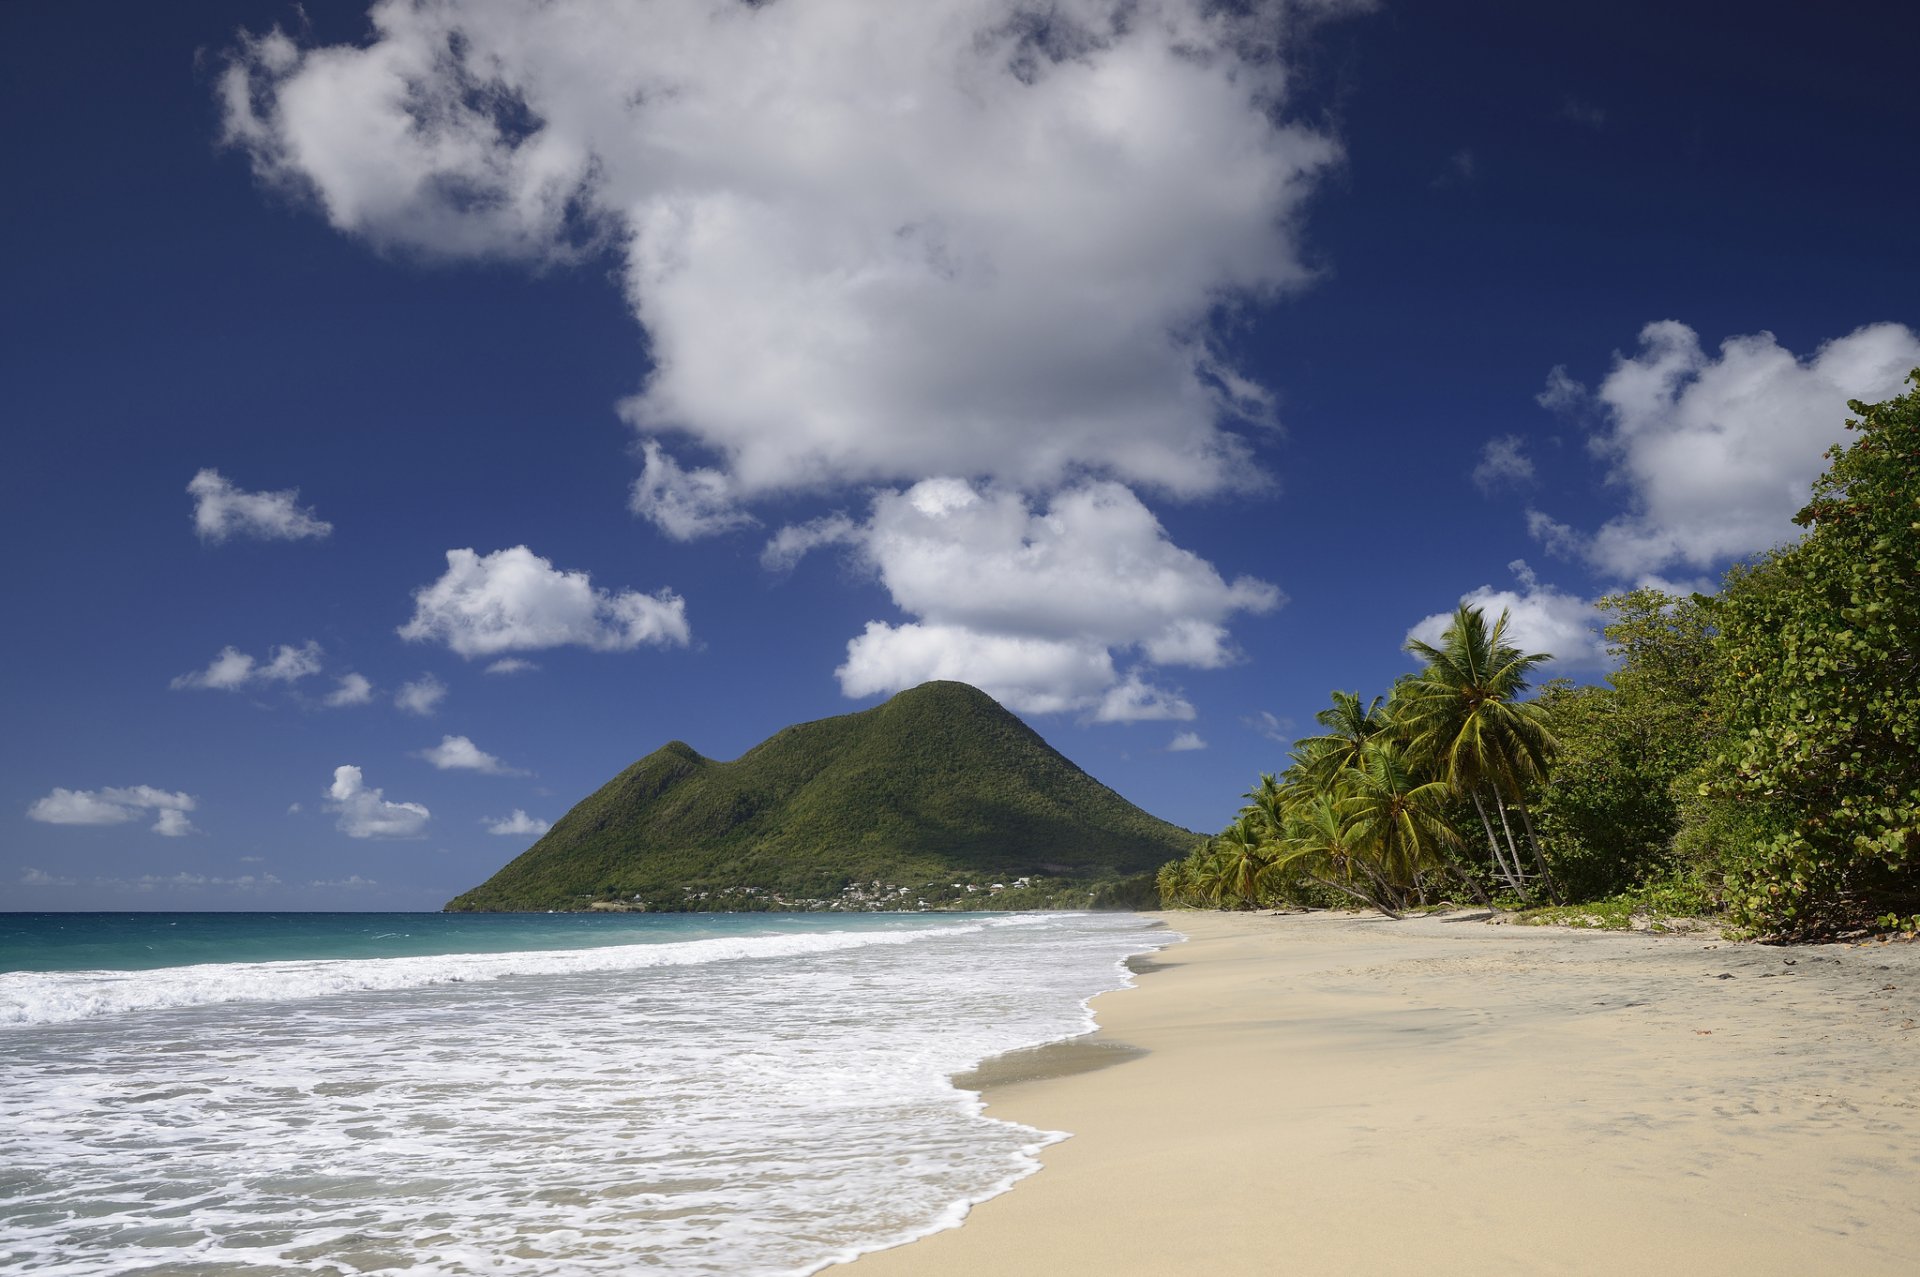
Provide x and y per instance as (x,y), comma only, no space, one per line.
(214,1094)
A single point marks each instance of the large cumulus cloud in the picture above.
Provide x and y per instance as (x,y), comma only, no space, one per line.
(868,242)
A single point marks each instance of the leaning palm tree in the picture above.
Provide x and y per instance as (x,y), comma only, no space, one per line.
(1464,713)
(1350,725)
(1240,858)
(1396,819)
(1320,846)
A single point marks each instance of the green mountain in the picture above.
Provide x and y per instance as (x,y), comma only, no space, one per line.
(937,787)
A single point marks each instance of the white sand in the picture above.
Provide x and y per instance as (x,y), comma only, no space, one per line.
(1339,1095)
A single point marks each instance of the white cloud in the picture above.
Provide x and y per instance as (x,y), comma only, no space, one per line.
(221,510)
(511,665)
(1133,700)
(518,823)
(514,600)
(1033,675)
(172,823)
(1503,463)
(1557,538)
(353,689)
(1184,742)
(685,504)
(1717,453)
(421,696)
(352,882)
(149,883)
(1031,605)
(457,753)
(1270,725)
(1562,392)
(1541,619)
(867,242)
(792,543)
(115,806)
(1583,113)
(1459,171)
(366,813)
(232,670)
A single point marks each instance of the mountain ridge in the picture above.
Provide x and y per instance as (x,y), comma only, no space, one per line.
(938,789)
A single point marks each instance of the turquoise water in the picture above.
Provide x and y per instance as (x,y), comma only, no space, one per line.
(429,1095)
(145,941)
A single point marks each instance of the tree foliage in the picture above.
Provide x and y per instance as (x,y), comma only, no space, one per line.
(1759,747)
(1812,793)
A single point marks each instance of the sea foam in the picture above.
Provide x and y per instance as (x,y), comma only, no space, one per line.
(55,997)
(751,1106)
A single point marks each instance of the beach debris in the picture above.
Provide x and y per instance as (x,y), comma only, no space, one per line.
(1724,975)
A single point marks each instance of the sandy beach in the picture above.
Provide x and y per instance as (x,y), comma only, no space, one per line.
(1336,1094)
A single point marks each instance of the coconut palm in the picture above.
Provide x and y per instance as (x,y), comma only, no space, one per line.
(1350,725)
(1394,818)
(1241,855)
(1320,845)
(1464,712)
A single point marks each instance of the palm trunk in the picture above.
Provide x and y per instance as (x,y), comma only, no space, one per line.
(1493,841)
(1362,897)
(1533,845)
(1513,850)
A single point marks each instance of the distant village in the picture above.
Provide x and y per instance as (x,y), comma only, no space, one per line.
(868,897)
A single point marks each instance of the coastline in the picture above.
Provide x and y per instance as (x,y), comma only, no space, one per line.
(1341,1094)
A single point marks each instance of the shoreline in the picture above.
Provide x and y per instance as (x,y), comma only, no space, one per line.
(1344,1094)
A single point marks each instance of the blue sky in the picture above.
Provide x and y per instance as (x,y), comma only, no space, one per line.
(718,367)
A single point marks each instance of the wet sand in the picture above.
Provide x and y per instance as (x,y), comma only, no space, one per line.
(1329,1094)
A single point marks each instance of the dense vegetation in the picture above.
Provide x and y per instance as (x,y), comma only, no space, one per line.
(1754,752)
(938,790)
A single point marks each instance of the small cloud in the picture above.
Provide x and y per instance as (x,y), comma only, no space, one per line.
(114,806)
(422,696)
(254,860)
(685,504)
(173,823)
(511,665)
(1184,742)
(221,510)
(1459,171)
(30,877)
(1270,725)
(514,600)
(1134,700)
(1503,463)
(352,882)
(232,670)
(518,823)
(790,544)
(1583,113)
(1541,618)
(1562,393)
(354,689)
(293,809)
(1558,539)
(457,753)
(366,813)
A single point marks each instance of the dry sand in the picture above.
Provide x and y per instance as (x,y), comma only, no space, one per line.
(1332,1094)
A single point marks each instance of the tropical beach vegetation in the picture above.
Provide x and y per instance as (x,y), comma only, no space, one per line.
(1754,752)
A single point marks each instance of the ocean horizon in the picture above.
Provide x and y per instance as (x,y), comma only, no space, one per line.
(529,1094)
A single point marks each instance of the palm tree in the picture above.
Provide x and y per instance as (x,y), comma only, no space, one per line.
(1464,712)
(1397,820)
(1240,858)
(1320,845)
(1350,725)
